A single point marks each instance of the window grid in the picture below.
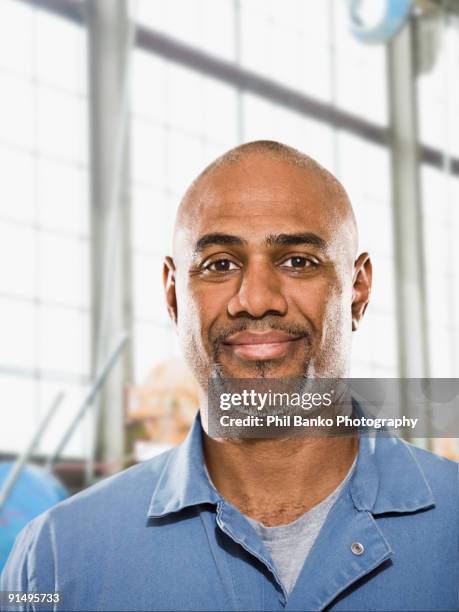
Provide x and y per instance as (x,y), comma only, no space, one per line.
(44,232)
(191,132)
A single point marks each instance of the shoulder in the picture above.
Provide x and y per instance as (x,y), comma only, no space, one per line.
(441,474)
(112,500)
(410,478)
(396,456)
(133,486)
(109,504)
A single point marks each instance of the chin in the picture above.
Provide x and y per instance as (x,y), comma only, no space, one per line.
(263,369)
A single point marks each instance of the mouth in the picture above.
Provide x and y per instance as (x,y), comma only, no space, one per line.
(252,346)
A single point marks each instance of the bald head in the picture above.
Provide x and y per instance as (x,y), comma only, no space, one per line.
(252,161)
(250,158)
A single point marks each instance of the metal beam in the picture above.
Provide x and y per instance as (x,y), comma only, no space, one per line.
(250,82)
(449,6)
(108,57)
(407,208)
(70,9)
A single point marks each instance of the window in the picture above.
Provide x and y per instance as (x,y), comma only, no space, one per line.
(181,118)
(44,233)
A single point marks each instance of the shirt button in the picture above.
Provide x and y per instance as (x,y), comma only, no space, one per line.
(357,548)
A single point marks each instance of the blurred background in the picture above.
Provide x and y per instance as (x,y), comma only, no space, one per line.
(110,108)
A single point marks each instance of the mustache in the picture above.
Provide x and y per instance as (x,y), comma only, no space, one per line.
(219,336)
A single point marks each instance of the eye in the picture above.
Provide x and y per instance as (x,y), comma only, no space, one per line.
(221,265)
(299,263)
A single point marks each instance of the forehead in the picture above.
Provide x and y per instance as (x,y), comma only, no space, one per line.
(260,195)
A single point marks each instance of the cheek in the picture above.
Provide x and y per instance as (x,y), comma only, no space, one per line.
(326,303)
(190,330)
(188,309)
(197,309)
(337,315)
(315,298)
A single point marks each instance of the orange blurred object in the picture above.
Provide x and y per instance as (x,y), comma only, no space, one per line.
(446,447)
(165,403)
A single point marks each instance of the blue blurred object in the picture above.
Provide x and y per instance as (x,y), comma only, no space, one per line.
(395,15)
(34,492)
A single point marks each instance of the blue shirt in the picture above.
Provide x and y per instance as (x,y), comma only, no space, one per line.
(158,536)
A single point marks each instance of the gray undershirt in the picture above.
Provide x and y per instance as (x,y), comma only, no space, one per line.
(289,545)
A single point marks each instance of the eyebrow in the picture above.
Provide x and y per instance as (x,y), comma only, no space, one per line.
(296,239)
(217,238)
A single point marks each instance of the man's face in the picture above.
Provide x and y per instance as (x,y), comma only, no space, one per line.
(264,264)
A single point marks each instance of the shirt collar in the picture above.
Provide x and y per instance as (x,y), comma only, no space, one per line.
(387,477)
(184,481)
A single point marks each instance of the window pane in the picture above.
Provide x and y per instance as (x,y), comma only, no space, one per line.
(66,68)
(16,36)
(79,443)
(264,120)
(205,24)
(17,119)
(17,197)
(217,28)
(185,98)
(374,349)
(153,345)
(152,221)
(186,154)
(364,168)
(360,72)
(149,301)
(148,153)
(18,415)
(18,333)
(148,85)
(438,95)
(441,226)
(63,340)
(17,259)
(62,192)
(219,112)
(62,125)
(281,44)
(63,263)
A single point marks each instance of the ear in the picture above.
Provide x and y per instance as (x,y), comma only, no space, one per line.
(169,288)
(361,288)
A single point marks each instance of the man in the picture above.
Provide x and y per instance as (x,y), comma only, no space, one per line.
(265,283)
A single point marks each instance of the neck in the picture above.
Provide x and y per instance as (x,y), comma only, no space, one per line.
(275,481)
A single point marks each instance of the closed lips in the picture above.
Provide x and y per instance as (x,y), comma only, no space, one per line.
(261,346)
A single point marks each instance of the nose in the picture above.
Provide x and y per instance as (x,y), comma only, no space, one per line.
(259,294)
